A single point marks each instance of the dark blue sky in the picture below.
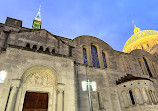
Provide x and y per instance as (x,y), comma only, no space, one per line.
(109,20)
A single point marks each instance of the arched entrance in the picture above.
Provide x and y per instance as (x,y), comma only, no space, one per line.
(38,90)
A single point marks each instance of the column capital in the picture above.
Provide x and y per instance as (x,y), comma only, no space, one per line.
(61,87)
(15,83)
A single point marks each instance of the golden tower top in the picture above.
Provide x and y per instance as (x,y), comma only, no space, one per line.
(136,29)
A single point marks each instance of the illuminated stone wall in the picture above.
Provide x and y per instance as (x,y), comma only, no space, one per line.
(19,79)
(30,57)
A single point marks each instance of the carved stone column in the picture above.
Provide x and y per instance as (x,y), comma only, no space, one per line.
(60,105)
(13,95)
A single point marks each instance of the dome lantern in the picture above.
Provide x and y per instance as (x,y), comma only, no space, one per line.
(136,29)
(141,39)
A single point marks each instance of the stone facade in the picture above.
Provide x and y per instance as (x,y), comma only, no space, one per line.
(37,61)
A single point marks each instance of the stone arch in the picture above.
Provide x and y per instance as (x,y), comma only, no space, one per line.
(40,79)
(149,97)
(138,94)
(132,96)
(34,47)
(28,45)
(98,53)
(53,51)
(39,72)
(106,58)
(148,66)
(141,65)
(38,68)
(26,67)
(92,38)
(145,95)
(47,50)
(40,49)
(88,54)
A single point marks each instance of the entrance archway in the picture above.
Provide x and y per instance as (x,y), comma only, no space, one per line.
(38,90)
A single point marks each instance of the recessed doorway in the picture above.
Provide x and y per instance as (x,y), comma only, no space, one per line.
(35,101)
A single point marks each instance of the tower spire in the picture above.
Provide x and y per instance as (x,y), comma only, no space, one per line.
(37,21)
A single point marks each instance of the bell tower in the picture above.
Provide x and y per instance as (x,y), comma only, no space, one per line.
(37,21)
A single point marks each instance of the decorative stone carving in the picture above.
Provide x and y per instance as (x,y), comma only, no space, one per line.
(39,78)
(61,87)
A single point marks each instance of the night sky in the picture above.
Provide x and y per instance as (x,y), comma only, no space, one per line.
(109,20)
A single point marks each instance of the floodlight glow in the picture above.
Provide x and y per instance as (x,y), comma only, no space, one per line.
(94,86)
(89,84)
(2,76)
(84,85)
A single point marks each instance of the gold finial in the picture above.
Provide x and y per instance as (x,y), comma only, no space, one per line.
(136,29)
(39,9)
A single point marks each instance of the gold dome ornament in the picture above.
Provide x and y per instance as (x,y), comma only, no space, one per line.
(144,40)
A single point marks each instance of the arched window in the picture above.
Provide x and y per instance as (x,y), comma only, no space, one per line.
(141,65)
(147,67)
(85,56)
(40,49)
(142,46)
(27,45)
(104,59)
(94,54)
(34,47)
(132,97)
(47,50)
(53,51)
(147,45)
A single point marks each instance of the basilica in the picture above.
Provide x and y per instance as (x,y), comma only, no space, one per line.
(41,71)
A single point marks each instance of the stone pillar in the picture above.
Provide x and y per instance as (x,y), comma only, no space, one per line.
(60,105)
(12,98)
(13,95)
